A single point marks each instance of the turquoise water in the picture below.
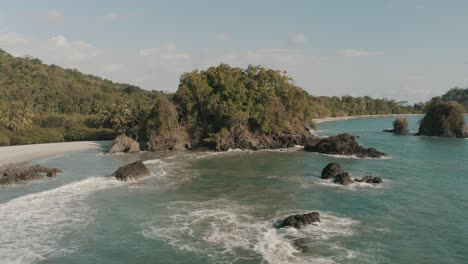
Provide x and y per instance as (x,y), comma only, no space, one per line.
(221,208)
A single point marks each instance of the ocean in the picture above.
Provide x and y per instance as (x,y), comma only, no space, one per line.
(222,207)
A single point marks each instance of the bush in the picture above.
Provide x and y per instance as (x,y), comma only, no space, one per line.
(4,138)
(36,135)
(86,133)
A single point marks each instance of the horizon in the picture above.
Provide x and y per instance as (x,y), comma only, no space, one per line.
(329,49)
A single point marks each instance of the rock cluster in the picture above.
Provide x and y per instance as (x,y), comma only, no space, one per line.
(124,144)
(10,174)
(343,144)
(444,119)
(334,171)
(132,171)
(300,220)
(400,126)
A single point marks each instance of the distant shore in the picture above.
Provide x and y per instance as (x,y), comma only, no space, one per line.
(23,153)
(338,118)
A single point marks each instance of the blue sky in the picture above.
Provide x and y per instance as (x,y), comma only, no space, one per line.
(403,50)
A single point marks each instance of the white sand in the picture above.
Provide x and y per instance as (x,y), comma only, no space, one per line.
(17,154)
(329,119)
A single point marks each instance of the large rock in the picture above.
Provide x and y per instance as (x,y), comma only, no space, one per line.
(400,126)
(444,119)
(124,144)
(132,171)
(10,174)
(300,220)
(331,171)
(343,179)
(343,144)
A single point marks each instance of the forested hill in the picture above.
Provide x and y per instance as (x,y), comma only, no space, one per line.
(42,103)
(50,88)
(457,94)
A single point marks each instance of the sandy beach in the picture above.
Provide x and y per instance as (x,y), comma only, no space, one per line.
(17,154)
(330,119)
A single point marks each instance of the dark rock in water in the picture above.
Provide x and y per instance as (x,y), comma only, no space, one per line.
(298,221)
(444,119)
(132,171)
(343,179)
(10,174)
(301,244)
(124,144)
(400,126)
(331,171)
(343,144)
(370,179)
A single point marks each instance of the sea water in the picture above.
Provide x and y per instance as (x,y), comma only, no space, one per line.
(223,207)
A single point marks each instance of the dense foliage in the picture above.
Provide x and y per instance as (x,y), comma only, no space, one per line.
(64,104)
(459,95)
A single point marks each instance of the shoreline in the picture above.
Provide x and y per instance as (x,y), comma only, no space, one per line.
(24,153)
(338,118)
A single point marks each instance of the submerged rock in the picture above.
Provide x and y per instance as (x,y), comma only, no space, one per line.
(331,171)
(10,174)
(124,144)
(132,171)
(400,126)
(444,119)
(300,220)
(369,179)
(343,144)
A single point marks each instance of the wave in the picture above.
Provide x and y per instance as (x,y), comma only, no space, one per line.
(31,226)
(225,232)
(353,156)
(354,186)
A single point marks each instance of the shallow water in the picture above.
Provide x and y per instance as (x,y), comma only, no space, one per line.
(221,208)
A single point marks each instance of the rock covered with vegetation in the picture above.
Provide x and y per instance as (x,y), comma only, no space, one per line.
(343,144)
(444,119)
(124,144)
(132,171)
(10,174)
(400,126)
(300,220)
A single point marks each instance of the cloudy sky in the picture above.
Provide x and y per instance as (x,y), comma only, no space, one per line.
(403,50)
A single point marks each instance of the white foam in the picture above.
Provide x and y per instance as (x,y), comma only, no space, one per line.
(354,186)
(226,231)
(32,225)
(353,156)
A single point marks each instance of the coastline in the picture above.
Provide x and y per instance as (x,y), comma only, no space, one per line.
(24,153)
(338,118)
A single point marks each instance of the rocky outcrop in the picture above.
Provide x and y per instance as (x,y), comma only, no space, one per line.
(132,171)
(10,174)
(400,126)
(300,220)
(124,144)
(343,179)
(369,179)
(331,171)
(343,144)
(444,119)
(243,139)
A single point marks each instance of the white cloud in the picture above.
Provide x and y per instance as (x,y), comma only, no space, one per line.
(60,46)
(12,40)
(55,17)
(358,53)
(299,39)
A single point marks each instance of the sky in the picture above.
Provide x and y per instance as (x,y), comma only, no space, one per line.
(407,50)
